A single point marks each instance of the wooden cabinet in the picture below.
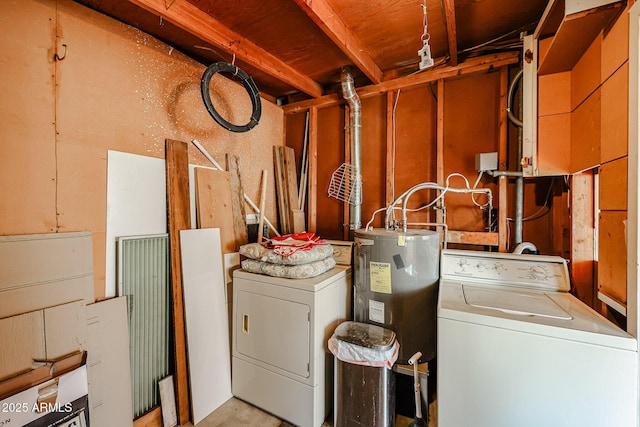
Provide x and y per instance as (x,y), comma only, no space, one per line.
(572,25)
(562,79)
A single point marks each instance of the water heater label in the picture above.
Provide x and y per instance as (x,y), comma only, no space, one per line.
(376,311)
(380,275)
(363,242)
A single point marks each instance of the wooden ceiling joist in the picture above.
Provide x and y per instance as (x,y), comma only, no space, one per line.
(450,17)
(326,18)
(197,22)
(473,65)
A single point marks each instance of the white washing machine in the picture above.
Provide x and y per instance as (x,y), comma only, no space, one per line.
(515,348)
(281,362)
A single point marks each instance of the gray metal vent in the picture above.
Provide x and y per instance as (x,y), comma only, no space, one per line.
(143,277)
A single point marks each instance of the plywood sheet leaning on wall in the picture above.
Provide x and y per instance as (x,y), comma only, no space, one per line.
(214,205)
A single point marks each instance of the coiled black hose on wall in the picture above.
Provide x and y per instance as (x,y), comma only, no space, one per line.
(250,87)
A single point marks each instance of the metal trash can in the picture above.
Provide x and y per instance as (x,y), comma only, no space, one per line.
(365,393)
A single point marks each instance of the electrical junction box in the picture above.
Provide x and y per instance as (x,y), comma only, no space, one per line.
(486,162)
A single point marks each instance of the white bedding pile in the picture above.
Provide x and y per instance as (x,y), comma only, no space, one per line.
(299,264)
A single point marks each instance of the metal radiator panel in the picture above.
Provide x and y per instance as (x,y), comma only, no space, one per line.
(143,277)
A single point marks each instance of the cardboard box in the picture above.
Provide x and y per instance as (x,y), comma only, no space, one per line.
(342,251)
(61,402)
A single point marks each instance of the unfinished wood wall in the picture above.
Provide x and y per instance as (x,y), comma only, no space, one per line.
(614,102)
(116,88)
(399,148)
(471,127)
(416,115)
(582,131)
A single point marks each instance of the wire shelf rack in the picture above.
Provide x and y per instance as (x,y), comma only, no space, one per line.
(346,185)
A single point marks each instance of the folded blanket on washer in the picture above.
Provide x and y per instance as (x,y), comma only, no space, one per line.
(259,252)
(300,271)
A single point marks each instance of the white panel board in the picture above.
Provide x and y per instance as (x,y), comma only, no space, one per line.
(43,270)
(206,320)
(136,203)
(108,367)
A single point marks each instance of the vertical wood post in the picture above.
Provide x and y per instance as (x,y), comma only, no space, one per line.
(502,162)
(313,170)
(179,218)
(440,147)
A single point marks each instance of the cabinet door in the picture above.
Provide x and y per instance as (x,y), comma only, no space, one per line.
(273,331)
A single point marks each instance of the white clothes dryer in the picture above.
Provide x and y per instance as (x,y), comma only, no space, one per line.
(280,358)
(515,348)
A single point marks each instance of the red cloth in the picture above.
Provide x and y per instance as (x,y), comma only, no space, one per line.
(290,243)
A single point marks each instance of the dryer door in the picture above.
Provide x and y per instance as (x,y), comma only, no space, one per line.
(273,331)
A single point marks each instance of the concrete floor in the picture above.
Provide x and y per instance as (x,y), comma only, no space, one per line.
(236,413)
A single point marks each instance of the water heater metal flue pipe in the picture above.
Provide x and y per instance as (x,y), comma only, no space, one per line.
(355,128)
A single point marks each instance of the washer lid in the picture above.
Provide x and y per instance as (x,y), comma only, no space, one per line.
(583,325)
(514,302)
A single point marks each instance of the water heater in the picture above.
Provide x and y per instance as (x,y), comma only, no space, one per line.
(396,277)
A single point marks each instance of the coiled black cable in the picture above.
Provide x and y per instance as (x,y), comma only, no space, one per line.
(249,85)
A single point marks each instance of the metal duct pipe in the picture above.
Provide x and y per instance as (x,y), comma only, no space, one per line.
(355,139)
(519,210)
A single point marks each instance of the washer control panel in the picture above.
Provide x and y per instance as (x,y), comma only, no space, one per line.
(530,271)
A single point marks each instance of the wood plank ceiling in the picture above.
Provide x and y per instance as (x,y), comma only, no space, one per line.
(295,49)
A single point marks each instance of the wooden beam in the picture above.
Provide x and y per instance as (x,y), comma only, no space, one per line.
(472,65)
(440,146)
(312,199)
(329,21)
(472,238)
(503,225)
(190,18)
(390,148)
(582,237)
(179,218)
(450,17)
(153,418)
